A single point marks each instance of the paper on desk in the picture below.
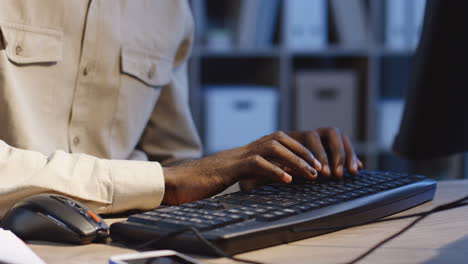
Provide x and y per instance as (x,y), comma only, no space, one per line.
(14,250)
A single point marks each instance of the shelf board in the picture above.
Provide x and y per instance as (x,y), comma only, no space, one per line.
(332,51)
(233,53)
(401,53)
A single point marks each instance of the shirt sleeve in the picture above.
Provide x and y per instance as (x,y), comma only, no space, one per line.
(170,135)
(107,186)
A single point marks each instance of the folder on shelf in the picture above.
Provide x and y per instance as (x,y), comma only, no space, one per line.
(398,24)
(418,18)
(306,24)
(236,115)
(256,23)
(266,23)
(404,21)
(351,22)
(247,22)
(327,98)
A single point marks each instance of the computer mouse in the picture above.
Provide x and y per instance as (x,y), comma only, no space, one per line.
(56,218)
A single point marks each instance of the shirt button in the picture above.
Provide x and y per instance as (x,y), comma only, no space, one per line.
(18,49)
(85,71)
(76,141)
(152,71)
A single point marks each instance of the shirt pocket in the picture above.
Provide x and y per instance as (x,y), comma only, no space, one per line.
(144,75)
(26,44)
(147,67)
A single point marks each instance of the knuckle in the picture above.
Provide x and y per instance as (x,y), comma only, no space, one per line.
(329,129)
(339,160)
(274,145)
(306,153)
(301,163)
(323,157)
(277,170)
(256,160)
(315,133)
(279,134)
(335,130)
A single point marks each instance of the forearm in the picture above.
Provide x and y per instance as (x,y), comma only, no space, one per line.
(108,186)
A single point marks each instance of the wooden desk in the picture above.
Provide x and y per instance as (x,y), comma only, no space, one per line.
(440,238)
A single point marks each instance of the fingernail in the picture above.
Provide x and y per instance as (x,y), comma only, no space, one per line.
(354,168)
(318,165)
(287,177)
(339,171)
(361,164)
(326,170)
(313,172)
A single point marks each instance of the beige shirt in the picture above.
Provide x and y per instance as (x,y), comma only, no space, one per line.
(86,89)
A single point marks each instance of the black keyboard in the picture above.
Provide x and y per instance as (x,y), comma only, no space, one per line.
(274,214)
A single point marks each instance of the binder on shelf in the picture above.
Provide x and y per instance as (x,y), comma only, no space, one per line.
(419,7)
(404,20)
(351,22)
(397,24)
(389,118)
(256,25)
(236,115)
(306,24)
(247,22)
(266,23)
(327,98)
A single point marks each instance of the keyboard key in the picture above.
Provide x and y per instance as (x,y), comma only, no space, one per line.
(213,206)
(233,219)
(289,211)
(268,217)
(144,219)
(173,224)
(192,205)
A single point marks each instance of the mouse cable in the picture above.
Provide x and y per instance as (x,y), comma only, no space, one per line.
(451,205)
(219,252)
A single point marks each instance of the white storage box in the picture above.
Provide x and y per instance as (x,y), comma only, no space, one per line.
(325,99)
(238,115)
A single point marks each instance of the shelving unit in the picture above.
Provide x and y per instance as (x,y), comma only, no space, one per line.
(275,66)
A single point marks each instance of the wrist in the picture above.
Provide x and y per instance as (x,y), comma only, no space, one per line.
(169,186)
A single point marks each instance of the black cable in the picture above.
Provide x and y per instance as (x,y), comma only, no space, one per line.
(381,243)
(451,205)
(213,247)
(216,249)
(439,208)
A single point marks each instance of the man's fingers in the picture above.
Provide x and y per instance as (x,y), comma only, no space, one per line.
(313,142)
(280,154)
(351,158)
(360,164)
(324,150)
(335,148)
(294,146)
(257,165)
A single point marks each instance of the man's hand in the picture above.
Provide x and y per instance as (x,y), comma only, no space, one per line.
(275,157)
